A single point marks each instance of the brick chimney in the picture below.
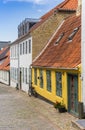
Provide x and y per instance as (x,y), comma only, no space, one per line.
(79,7)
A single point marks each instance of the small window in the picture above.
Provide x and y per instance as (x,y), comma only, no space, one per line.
(59,38)
(73,33)
(26,47)
(41,78)
(35,76)
(59,84)
(23,47)
(20,49)
(48,76)
(29,46)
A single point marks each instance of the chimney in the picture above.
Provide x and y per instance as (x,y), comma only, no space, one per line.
(79,7)
(83,52)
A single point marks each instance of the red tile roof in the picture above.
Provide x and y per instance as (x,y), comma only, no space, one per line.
(5,59)
(67,54)
(65,5)
(70,5)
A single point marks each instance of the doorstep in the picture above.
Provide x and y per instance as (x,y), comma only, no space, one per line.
(79,124)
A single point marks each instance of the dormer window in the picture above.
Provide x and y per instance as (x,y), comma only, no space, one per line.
(73,33)
(59,38)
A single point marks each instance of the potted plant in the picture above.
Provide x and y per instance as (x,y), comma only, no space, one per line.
(60,106)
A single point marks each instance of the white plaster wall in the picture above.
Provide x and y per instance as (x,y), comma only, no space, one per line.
(25,87)
(13,83)
(25,61)
(4,77)
(14,63)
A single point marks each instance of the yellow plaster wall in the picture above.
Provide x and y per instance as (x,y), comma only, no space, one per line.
(52,95)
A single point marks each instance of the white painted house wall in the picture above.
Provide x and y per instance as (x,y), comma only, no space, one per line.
(20,60)
(4,77)
(25,59)
(14,65)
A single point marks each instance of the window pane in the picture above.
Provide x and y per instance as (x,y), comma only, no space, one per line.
(26,47)
(35,76)
(41,78)
(59,84)
(23,47)
(48,75)
(20,49)
(29,46)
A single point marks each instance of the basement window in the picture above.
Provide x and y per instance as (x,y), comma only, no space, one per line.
(73,34)
(59,38)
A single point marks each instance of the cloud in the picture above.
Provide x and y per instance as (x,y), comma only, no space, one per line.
(39,10)
(31,1)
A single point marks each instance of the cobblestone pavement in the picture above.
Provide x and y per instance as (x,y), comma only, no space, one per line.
(18,111)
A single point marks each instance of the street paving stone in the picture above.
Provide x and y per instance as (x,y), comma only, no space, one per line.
(18,111)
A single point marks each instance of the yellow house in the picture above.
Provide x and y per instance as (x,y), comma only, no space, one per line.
(56,73)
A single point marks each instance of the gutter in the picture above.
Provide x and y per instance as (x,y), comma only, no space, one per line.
(61,68)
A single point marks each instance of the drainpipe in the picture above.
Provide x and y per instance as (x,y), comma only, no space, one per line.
(18,69)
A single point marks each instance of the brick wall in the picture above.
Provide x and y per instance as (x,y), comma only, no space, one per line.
(43,33)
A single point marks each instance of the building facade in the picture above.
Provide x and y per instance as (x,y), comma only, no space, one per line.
(49,22)
(21,56)
(41,33)
(56,73)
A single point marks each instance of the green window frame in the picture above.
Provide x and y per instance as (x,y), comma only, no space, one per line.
(41,78)
(35,76)
(48,77)
(59,84)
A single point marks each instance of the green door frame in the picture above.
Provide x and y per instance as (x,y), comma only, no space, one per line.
(72,93)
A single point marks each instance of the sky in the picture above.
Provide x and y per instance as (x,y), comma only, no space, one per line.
(13,12)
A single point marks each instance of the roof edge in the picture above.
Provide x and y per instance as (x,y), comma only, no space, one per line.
(62,68)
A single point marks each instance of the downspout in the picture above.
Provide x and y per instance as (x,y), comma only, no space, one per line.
(18,69)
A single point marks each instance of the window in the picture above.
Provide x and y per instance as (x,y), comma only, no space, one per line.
(35,76)
(23,75)
(27,75)
(23,47)
(59,38)
(29,46)
(17,51)
(48,75)
(26,47)
(73,33)
(41,78)
(59,84)
(20,49)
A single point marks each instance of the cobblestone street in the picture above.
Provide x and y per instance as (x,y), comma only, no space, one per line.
(18,111)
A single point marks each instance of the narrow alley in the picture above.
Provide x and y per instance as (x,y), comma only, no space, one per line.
(18,111)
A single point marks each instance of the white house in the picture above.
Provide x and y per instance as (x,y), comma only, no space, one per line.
(20,60)
(21,56)
(25,59)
